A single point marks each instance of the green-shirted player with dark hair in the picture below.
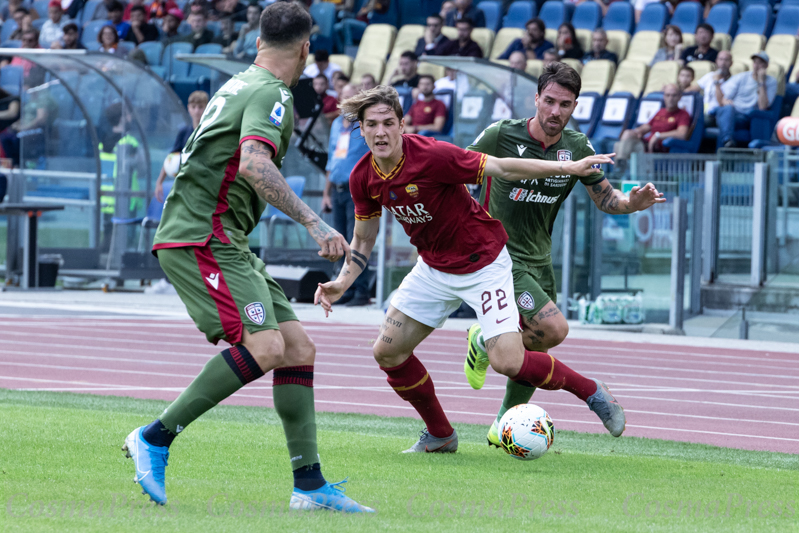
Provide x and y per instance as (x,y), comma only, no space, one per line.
(528,209)
(229,171)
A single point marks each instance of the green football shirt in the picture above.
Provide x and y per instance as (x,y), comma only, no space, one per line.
(528,208)
(208,197)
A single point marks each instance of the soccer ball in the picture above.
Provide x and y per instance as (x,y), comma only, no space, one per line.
(526,432)
(172,164)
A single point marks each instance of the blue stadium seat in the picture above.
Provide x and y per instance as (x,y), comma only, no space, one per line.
(519,13)
(687,16)
(41,8)
(589,111)
(410,12)
(724,18)
(173,66)
(12,44)
(756,18)
(697,129)
(470,126)
(620,17)
(587,16)
(87,12)
(653,18)
(492,11)
(617,114)
(8,28)
(743,4)
(273,215)
(554,13)
(11,79)
(324,16)
(215,27)
(787,21)
(91,30)
(152,51)
(38,23)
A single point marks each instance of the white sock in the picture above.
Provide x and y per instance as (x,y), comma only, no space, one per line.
(480,342)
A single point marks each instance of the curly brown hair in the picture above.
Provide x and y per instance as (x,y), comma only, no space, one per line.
(354,108)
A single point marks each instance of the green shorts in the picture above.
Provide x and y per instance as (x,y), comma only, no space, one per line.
(534,287)
(225,290)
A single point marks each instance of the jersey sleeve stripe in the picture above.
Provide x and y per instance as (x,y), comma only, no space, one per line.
(263,140)
(481,170)
(370,216)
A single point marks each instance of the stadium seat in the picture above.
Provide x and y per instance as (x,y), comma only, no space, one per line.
(147,222)
(377,41)
(406,98)
(13,43)
(38,23)
(368,65)
(787,22)
(587,16)
(11,79)
(588,110)
(584,37)
(410,13)
(630,78)
(450,32)
(390,17)
(745,45)
(485,38)
(87,11)
(324,16)
(741,66)
(653,18)
(778,72)
(473,111)
(406,40)
(616,116)
(620,17)
(534,67)
(555,13)
(437,71)
(504,37)
(644,45)
(215,27)
(152,51)
(687,16)
(391,65)
(756,19)
(781,49)
(492,11)
(273,216)
(618,42)
(173,66)
(519,13)
(576,64)
(724,18)
(41,7)
(697,128)
(721,41)
(9,27)
(91,30)
(597,75)
(701,68)
(660,74)
(344,62)
(743,4)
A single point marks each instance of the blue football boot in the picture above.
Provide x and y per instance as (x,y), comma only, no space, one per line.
(330,496)
(150,462)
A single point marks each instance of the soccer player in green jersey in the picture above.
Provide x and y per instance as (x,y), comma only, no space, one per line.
(528,211)
(229,171)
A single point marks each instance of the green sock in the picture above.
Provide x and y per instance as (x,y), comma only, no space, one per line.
(223,375)
(515,394)
(292,392)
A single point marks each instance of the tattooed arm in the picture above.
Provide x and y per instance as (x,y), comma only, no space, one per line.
(613,202)
(363,241)
(257,168)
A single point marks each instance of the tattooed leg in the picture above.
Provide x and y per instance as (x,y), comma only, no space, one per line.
(545,330)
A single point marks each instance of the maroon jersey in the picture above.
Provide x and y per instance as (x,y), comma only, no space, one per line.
(426,193)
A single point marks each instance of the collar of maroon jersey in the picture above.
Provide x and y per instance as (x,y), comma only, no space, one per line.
(394,171)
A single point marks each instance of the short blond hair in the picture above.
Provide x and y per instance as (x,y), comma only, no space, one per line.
(354,108)
(199,97)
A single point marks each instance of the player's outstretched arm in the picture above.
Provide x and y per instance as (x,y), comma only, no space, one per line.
(257,168)
(363,241)
(514,169)
(612,201)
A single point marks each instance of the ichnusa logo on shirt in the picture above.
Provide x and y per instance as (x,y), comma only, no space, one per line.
(277,114)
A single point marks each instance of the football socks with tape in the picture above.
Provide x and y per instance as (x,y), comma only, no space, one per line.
(413,384)
(223,375)
(292,393)
(545,372)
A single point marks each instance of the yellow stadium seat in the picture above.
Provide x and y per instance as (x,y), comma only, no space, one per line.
(576,64)
(406,40)
(377,42)
(504,37)
(660,74)
(392,64)
(344,61)
(534,67)
(688,40)
(644,45)
(437,71)
(795,110)
(450,32)
(701,68)
(368,65)
(775,70)
(745,45)
(503,62)
(739,66)
(551,35)
(597,75)
(721,41)
(618,42)
(630,78)
(311,59)
(584,36)
(485,38)
(781,49)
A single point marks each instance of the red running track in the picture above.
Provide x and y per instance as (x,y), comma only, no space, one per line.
(732,398)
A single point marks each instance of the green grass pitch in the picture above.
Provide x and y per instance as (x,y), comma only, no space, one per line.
(61,469)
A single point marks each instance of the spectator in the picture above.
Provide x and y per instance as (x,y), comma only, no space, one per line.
(550,56)
(433,43)
(329,103)
(702,51)
(161,8)
(740,96)
(518,61)
(569,46)
(52,29)
(70,40)
(669,122)
(131,5)
(447,7)
(426,113)
(170,25)
(10,9)
(109,41)
(449,81)
(685,79)
(141,31)
(345,148)
(640,5)
(253,20)
(464,46)
(368,82)
(200,34)
(342,6)
(30,39)
(102,10)
(36,117)
(672,48)
(228,9)
(405,74)
(115,11)
(227,36)
(339,82)
(350,30)
(197,102)
(24,23)
(321,65)
(465,9)
(708,82)
(532,43)
(708,6)
(9,111)
(599,43)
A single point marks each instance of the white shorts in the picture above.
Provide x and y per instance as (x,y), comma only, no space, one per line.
(429,296)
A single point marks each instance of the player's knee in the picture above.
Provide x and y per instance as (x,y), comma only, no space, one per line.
(300,353)
(386,356)
(267,350)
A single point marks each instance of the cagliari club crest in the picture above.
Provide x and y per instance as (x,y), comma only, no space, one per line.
(564,155)
(255,312)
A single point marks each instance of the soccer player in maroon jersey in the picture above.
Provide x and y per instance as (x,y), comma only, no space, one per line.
(462,254)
